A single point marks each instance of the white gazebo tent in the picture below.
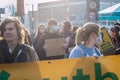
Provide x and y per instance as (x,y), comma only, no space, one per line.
(111,13)
(109,16)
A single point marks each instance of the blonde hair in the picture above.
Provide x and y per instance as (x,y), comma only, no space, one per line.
(82,33)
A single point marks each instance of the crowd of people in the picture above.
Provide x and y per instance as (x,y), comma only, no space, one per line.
(79,41)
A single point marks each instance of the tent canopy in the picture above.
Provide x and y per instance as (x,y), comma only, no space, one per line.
(112,9)
(111,13)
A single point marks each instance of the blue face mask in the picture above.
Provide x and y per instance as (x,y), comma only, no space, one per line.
(56,28)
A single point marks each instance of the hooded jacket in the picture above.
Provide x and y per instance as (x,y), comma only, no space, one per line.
(22,53)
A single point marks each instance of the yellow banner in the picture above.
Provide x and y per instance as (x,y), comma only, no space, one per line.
(104,68)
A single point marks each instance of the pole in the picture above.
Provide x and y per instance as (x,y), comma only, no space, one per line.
(51,12)
(68,10)
(32,10)
(32,22)
(0,18)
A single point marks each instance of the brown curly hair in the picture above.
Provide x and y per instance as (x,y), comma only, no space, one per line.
(18,25)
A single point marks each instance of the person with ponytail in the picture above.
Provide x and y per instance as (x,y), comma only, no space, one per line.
(85,39)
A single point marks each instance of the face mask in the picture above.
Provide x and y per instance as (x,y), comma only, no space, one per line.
(56,28)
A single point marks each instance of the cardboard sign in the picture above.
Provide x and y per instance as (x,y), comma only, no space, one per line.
(107,45)
(104,68)
(54,47)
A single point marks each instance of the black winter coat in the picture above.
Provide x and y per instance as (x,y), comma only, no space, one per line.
(22,53)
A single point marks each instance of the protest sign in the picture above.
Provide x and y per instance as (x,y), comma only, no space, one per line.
(54,47)
(107,46)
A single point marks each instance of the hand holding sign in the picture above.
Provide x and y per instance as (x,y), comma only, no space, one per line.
(54,47)
(45,47)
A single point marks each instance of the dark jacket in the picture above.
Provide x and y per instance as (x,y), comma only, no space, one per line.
(42,52)
(37,42)
(22,53)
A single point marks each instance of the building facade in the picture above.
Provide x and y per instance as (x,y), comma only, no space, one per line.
(72,10)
